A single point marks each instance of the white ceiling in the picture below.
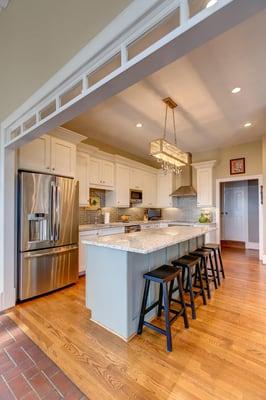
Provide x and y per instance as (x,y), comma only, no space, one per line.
(208,116)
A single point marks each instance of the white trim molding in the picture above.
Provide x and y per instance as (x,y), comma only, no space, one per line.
(115,40)
(218,209)
(252,246)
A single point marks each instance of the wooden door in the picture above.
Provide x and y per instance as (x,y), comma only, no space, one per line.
(234,211)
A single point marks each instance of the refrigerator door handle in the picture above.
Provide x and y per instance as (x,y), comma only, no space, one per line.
(53,211)
(57,222)
(51,253)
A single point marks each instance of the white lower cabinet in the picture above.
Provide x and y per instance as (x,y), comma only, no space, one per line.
(210,237)
(87,235)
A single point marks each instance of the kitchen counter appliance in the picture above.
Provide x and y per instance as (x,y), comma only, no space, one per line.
(132,228)
(154,214)
(48,209)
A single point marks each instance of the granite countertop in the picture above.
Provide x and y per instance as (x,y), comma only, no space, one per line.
(145,242)
(90,227)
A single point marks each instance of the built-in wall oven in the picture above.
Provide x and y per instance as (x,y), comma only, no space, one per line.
(135,197)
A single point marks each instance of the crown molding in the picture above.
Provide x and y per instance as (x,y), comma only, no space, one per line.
(3,4)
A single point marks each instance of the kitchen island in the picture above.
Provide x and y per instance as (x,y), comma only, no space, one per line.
(114,272)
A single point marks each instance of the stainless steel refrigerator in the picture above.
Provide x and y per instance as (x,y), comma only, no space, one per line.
(48,209)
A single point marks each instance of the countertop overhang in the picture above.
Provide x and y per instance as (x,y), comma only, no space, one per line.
(148,241)
(91,227)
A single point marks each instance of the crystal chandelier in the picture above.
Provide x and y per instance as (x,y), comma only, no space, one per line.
(170,157)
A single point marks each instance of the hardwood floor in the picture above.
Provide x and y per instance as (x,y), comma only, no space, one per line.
(221,357)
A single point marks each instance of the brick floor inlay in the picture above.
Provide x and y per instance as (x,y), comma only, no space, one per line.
(26,373)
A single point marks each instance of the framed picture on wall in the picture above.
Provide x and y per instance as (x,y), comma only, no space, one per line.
(237,166)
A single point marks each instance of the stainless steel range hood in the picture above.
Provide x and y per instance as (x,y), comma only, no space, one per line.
(186,189)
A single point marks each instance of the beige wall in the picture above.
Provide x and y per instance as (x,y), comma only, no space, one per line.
(37,37)
(251,151)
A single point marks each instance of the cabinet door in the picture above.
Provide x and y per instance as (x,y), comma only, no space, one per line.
(82,248)
(149,189)
(107,176)
(204,187)
(136,178)
(122,186)
(35,156)
(63,157)
(83,177)
(164,189)
(95,171)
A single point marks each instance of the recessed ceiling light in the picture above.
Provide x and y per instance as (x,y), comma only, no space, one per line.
(247,124)
(236,90)
(211,3)
(139,125)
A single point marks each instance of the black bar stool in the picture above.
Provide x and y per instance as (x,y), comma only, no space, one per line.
(163,275)
(216,250)
(205,256)
(190,267)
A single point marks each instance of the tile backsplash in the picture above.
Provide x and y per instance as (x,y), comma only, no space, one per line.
(184,209)
(88,215)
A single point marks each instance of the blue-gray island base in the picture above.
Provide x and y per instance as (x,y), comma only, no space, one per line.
(115,266)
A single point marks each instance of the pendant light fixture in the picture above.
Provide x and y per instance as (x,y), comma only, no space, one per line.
(167,154)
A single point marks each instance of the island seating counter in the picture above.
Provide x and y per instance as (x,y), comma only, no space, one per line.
(115,266)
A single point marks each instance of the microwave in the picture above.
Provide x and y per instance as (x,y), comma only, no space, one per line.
(135,196)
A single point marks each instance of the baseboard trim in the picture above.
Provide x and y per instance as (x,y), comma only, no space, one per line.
(252,246)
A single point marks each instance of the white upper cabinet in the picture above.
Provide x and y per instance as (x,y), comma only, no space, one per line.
(149,189)
(48,154)
(165,186)
(63,157)
(83,177)
(95,171)
(136,179)
(108,173)
(101,173)
(36,155)
(204,183)
(120,196)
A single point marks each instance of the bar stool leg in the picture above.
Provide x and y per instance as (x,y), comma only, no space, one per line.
(171,291)
(183,304)
(201,284)
(213,272)
(221,262)
(167,321)
(143,306)
(159,313)
(192,300)
(204,264)
(217,267)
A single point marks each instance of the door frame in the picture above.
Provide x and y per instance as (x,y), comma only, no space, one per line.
(218,206)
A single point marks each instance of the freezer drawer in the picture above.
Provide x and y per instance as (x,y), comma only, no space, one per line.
(42,271)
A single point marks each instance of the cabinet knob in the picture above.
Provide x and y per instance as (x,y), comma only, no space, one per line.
(47,167)
(53,169)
